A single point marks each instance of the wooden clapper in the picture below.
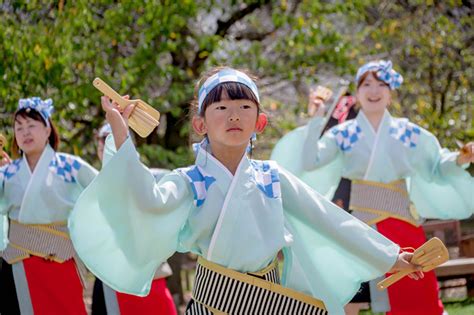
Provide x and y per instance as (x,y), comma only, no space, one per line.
(143,119)
(3,141)
(323,93)
(429,256)
(326,94)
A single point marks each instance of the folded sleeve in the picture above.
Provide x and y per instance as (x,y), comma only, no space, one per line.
(124,224)
(332,252)
(439,187)
(317,162)
(318,151)
(86,173)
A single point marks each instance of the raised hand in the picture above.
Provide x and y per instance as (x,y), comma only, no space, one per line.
(117,118)
(315,104)
(5,159)
(466,154)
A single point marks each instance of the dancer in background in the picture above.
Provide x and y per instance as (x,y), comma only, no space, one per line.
(40,270)
(391,163)
(345,109)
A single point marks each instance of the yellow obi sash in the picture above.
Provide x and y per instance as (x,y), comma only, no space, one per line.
(373,202)
(226,291)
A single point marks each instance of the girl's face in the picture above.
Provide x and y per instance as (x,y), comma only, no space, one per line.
(230,123)
(373,95)
(31,135)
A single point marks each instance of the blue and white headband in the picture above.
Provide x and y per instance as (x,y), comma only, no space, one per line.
(225,75)
(44,108)
(384,72)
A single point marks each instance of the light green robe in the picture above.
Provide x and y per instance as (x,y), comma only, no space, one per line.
(399,149)
(46,195)
(125,224)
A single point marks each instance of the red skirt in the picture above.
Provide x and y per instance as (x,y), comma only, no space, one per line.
(408,296)
(159,301)
(54,288)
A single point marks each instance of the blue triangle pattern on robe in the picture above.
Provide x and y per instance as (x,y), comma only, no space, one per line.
(267,177)
(200,183)
(8,171)
(65,166)
(405,131)
(347,135)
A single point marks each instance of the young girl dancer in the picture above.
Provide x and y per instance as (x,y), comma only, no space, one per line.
(391,162)
(38,190)
(234,212)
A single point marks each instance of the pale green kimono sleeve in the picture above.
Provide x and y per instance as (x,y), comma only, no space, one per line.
(332,252)
(317,162)
(124,224)
(86,173)
(440,188)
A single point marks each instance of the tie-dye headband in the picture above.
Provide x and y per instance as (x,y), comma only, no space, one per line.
(384,72)
(225,75)
(44,108)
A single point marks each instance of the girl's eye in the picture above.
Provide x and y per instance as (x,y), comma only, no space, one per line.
(221,107)
(245,106)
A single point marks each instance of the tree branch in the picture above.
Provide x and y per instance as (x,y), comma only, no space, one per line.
(223,29)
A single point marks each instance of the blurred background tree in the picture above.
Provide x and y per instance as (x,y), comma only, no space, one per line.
(157,50)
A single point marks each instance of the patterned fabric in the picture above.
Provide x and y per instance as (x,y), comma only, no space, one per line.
(195,308)
(43,240)
(9,170)
(384,72)
(347,135)
(267,178)
(373,202)
(225,75)
(200,183)
(405,131)
(221,290)
(45,108)
(65,166)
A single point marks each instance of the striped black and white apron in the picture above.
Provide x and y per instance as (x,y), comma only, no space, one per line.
(219,290)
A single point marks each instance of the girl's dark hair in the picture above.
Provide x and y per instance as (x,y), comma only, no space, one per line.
(365,75)
(35,115)
(234,90)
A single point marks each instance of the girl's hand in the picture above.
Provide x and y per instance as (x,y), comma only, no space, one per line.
(114,112)
(466,155)
(403,263)
(117,118)
(315,105)
(5,159)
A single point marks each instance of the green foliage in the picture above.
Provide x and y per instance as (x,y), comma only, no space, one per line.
(154,50)
(430,43)
(158,50)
